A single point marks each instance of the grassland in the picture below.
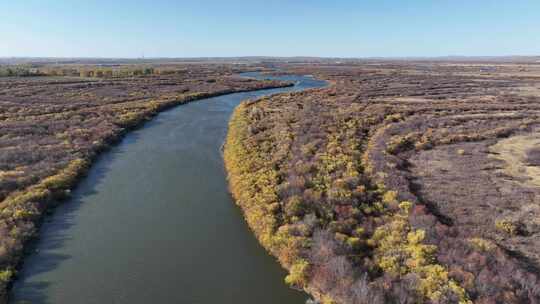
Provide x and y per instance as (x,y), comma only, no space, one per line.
(51,128)
(403,182)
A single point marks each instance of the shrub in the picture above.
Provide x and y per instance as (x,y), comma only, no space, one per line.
(5,275)
(507,226)
(399,250)
(25,214)
(482,244)
(354,242)
(294,206)
(398,144)
(298,273)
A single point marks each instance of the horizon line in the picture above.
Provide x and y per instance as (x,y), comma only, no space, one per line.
(267,56)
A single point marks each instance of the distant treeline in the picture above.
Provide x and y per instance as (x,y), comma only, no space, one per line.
(86,71)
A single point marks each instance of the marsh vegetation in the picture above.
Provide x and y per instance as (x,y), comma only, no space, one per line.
(52,128)
(390,185)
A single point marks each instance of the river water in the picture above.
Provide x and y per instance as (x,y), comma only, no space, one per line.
(153,222)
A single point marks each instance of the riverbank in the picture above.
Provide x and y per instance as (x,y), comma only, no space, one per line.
(22,210)
(339,184)
(298,189)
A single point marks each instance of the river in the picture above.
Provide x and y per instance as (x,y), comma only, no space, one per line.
(153,222)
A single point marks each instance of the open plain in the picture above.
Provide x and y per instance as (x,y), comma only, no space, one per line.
(399,182)
(402,182)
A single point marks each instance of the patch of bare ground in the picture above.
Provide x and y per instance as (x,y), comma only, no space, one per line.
(469,184)
(521,156)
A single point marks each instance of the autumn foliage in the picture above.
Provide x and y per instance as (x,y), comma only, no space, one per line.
(323,180)
(51,129)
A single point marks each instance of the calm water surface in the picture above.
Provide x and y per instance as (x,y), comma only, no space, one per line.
(153,223)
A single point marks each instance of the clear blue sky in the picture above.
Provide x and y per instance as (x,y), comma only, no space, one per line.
(340,28)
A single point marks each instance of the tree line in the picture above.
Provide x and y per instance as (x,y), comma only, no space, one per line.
(85,71)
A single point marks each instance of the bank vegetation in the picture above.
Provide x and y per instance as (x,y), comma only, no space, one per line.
(51,129)
(338,184)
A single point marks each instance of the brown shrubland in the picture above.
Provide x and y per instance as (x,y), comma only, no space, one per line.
(51,128)
(358,189)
